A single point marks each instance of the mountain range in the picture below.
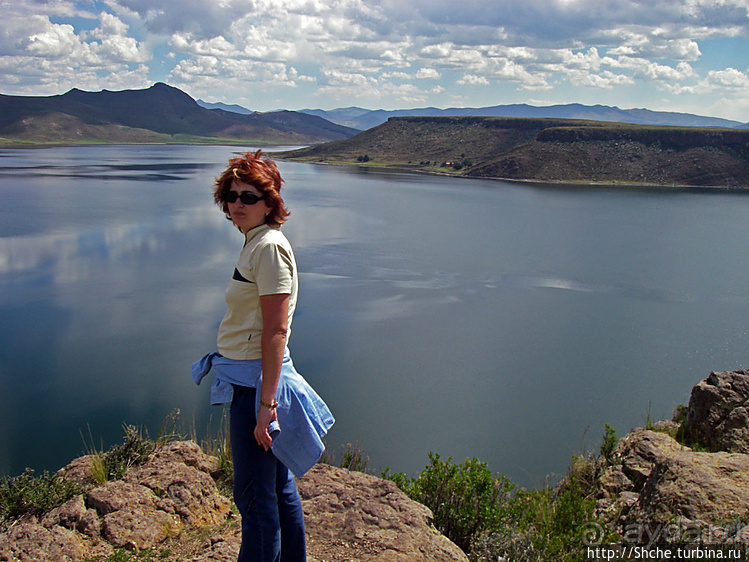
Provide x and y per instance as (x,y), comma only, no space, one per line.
(160,113)
(366,119)
(363,119)
(164,114)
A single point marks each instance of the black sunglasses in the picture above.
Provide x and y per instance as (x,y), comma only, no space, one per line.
(246,197)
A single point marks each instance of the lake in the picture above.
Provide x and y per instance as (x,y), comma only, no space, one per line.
(471,318)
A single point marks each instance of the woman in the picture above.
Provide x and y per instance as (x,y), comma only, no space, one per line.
(254,371)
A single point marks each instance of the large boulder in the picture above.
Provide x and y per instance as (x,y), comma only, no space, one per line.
(361,517)
(673,482)
(179,476)
(33,543)
(718,415)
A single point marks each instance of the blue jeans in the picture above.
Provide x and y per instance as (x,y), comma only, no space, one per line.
(265,492)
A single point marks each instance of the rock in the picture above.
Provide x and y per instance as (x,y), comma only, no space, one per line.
(171,503)
(718,414)
(222,547)
(80,471)
(152,503)
(188,453)
(139,528)
(119,494)
(614,482)
(74,515)
(371,518)
(179,475)
(672,489)
(30,542)
(672,482)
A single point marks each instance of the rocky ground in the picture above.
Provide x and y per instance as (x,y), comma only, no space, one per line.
(672,482)
(171,507)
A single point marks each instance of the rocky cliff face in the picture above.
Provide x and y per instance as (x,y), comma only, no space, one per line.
(718,414)
(657,489)
(172,506)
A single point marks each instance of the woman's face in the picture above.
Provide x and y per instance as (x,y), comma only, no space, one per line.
(247,217)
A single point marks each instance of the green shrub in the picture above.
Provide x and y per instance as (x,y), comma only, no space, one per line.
(352,457)
(28,494)
(610,440)
(680,413)
(135,449)
(570,511)
(466,499)
(490,520)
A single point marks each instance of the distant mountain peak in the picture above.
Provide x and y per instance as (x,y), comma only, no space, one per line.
(164,110)
(231,108)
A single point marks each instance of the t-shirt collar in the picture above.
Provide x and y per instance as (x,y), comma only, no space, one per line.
(254,232)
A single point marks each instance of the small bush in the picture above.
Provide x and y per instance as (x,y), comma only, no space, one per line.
(610,440)
(489,520)
(466,499)
(134,450)
(570,511)
(352,458)
(28,494)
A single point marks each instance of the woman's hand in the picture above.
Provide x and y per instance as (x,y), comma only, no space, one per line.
(264,417)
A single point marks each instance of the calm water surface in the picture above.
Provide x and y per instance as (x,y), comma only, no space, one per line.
(469,318)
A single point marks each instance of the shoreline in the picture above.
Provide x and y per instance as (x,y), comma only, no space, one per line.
(530,181)
(399,168)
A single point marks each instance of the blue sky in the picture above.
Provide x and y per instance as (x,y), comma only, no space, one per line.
(674,55)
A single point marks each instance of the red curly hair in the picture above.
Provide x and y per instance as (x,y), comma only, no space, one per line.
(260,172)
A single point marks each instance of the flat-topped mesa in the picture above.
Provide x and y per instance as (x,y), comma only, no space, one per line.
(547,150)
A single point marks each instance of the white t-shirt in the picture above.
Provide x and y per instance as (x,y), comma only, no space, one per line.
(266,266)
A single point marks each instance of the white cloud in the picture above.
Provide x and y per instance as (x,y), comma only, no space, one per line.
(396,75)
(728,78)
(652,70)
(428,73)
(56,41)
(372,49)
(605,80)
(728,81)
(109,25)
(216,46)
(473,80)
(41,56)
(231,72)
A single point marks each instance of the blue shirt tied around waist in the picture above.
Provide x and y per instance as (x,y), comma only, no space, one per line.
(303,417)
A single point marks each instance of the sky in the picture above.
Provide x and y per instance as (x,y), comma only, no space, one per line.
(687,56)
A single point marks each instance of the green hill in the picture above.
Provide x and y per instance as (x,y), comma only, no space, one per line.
(160,113)
(549,150)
